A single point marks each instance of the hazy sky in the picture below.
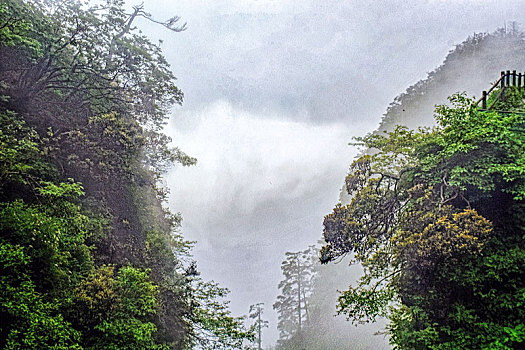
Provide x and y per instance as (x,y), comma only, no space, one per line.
(274,91)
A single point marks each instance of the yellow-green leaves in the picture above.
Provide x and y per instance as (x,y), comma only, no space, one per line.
(436,220)
(441,236)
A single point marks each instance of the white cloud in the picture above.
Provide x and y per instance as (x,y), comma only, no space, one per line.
(245,160)
(261,187)
(328,58)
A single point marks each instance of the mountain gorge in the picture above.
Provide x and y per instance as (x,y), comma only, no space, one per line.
(91,257)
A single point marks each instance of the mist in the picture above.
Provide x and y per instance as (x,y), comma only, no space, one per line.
(274,91)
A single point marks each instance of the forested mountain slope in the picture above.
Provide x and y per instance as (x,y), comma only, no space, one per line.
(470,67)
(436,219)
(435,215)
(90,258)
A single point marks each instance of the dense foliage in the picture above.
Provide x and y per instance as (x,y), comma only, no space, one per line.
(89,256)
(436,219)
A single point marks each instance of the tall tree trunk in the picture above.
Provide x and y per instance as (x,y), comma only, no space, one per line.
(299,293)
(259,324)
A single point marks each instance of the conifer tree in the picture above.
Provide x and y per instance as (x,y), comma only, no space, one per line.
(256,312)
(292,304)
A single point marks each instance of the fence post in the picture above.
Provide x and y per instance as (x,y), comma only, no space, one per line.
(507,76)
(484,100)
(514,77)
(502,80)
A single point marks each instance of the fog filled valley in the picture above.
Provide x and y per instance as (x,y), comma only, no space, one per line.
(233,174)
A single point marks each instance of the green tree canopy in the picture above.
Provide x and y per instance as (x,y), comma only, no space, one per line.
(90,256)
(436,220)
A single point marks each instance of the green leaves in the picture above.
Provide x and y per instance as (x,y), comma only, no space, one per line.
(436,221)
(19,151)
(63,190)
(92,54)
(213,325)
(31,323)
(363,305)
(137,294)
(30,318)
(119,307)
(479,149)
(16,25)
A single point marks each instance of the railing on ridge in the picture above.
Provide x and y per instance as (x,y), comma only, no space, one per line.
(506,79)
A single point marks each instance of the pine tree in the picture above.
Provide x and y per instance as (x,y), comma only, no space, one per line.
(256,312)
(292,305)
